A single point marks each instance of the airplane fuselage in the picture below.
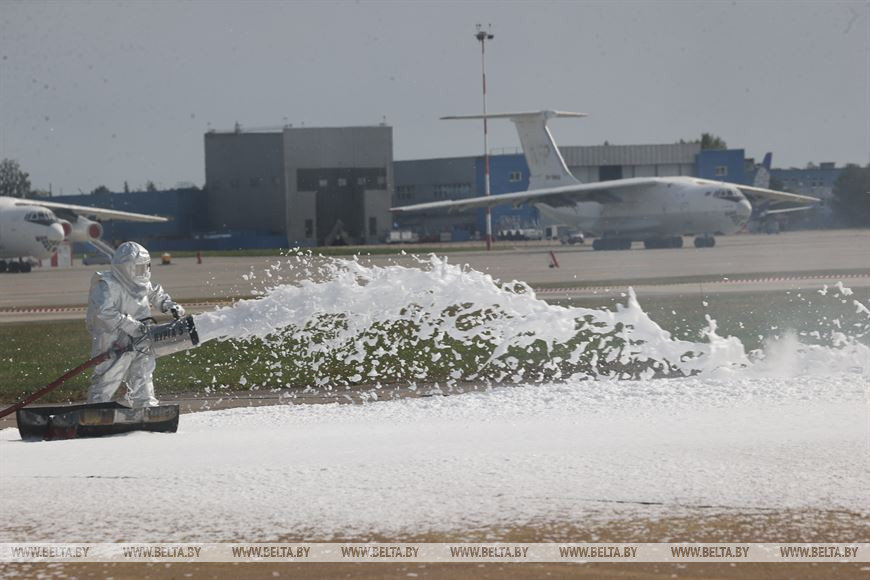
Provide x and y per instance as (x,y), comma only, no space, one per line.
(28,230)
(672,206)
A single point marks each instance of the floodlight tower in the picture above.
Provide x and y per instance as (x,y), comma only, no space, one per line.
(482,36)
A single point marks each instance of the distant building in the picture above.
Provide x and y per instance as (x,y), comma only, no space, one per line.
(606,162)
(313,186)
(245,183)
(817,181)
(425,180)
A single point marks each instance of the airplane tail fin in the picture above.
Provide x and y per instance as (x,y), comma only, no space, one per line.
(762,174)
(546,165)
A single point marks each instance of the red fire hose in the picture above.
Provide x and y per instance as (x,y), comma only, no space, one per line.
(61,380)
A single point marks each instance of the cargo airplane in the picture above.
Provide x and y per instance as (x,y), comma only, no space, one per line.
(658,211)
(34,228)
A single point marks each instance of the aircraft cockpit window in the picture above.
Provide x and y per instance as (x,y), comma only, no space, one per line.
(728,195)
(43,218)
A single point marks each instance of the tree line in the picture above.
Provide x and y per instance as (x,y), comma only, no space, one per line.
(852,196)
(15,182)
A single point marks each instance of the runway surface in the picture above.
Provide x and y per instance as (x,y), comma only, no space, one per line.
(750,262)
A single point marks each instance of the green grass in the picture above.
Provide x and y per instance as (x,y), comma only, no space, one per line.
(34,354)
(750,316)
(700,279)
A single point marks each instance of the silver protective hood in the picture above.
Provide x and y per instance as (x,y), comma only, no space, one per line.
(131,265)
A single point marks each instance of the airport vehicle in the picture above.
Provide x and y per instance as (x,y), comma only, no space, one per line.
(575,238)
(520,234)
(402,237)
(34,228)
(658,211)
(96,259)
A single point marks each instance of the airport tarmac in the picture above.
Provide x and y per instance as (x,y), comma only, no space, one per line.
(738,263)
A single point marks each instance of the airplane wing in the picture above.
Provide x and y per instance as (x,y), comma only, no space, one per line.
(95,212)
(787,210)
(601,192)
(761,194)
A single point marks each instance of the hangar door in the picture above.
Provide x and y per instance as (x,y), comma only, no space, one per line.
(340,201)
(609,172)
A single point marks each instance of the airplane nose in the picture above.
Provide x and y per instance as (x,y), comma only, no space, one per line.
(745,209)
(56,233)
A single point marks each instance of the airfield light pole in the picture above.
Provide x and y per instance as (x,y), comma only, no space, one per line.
(484,35)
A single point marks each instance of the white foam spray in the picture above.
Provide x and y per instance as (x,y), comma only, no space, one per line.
(346,322)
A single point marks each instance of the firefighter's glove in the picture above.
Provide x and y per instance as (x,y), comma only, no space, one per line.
(177,310)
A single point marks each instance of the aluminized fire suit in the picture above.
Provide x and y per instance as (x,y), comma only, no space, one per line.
(119,299)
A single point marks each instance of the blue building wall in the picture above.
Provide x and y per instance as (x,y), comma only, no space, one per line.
(186,209)
(508,174)
(804,180)
(187,229)
(710,164)
(419,181)
(815,181)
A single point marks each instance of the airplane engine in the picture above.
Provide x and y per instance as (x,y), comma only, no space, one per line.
(67,229)
(84,230)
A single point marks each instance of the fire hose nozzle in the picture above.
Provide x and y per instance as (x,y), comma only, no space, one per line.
(172,337)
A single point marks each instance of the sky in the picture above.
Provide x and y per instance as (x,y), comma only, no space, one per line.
(99,93)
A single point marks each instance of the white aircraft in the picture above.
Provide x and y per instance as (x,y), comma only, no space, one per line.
(34,228)
(655,210)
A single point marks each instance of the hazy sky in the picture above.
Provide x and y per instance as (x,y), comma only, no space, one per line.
(102,92)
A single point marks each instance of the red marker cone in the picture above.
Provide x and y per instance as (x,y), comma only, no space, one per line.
(554,263)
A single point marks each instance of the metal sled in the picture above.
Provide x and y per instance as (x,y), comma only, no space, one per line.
(93,420)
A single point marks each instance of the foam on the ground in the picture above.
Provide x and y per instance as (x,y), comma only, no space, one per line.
(780,430)
(575,452)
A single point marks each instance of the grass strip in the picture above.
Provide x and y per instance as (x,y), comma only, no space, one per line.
(699,279)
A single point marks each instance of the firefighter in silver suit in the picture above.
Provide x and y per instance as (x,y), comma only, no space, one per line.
(118,302)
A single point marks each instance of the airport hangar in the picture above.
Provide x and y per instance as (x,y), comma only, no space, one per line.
(308,186)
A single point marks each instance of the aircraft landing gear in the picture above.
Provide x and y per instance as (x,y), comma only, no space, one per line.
(662,243)
(14,267)
(611,244)
(705,242)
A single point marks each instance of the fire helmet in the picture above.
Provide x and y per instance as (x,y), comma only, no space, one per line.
(131,264)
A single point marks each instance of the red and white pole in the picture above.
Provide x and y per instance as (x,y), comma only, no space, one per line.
(483,36)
